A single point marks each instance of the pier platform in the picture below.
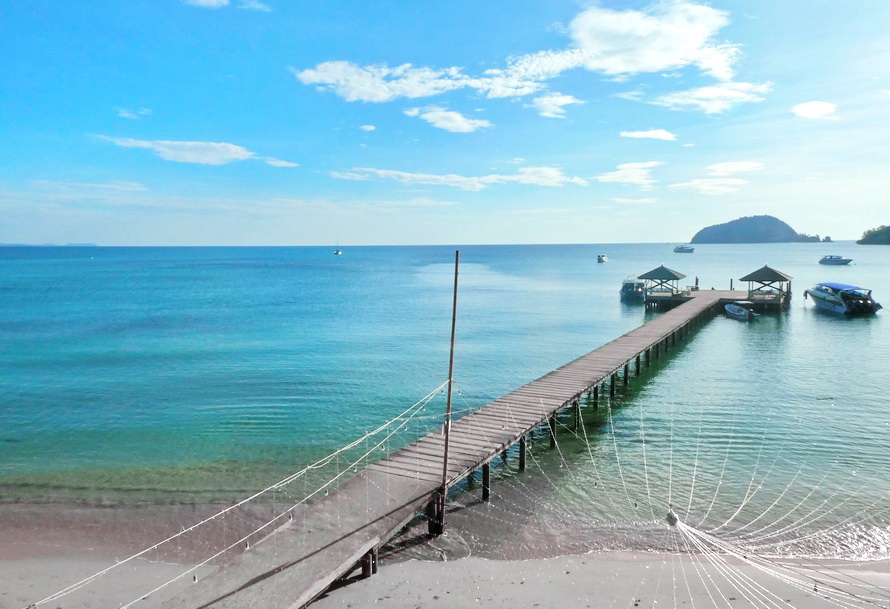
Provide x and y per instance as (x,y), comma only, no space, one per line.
(330,538)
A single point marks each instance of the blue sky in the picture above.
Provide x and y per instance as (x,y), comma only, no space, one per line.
(283,122)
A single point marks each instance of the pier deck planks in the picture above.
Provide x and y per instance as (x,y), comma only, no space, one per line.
(324,542)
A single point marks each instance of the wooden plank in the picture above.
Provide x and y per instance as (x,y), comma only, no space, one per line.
(293,568)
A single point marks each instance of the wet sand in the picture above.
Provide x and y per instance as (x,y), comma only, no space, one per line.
(43,549)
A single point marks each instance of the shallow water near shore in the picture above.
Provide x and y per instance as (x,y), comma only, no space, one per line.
(178,375)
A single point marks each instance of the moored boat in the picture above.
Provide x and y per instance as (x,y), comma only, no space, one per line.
(684,249)
(741,310)
(843,298)
(633,289)
(834,259)
(602,258)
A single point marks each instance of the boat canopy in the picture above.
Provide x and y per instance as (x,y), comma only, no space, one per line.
(841,286)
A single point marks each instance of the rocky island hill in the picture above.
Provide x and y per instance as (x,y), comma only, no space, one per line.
(876,236)
(752,229)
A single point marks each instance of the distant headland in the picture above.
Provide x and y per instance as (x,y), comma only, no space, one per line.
(876,236)
(753,229)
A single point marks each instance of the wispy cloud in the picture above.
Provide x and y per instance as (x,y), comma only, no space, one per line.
(654,134)
(132,114)
(448,119)
(119,186)
(553,106)
(255,5)
(208,3)
(251,5)
(731,167)
(713,186)
(715,99)
(535,176)
(668,35)
(637,174)
(816,109)
(204,153)
(643,201)
(367,127)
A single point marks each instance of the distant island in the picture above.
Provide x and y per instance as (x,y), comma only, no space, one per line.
(876,236)
(753,229)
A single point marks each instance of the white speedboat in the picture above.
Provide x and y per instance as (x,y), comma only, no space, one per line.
(684,249)
(741,310)
(602,258)
(832,259)
(843,298)
(633,289)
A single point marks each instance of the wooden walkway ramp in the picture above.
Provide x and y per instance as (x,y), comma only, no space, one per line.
(294,565)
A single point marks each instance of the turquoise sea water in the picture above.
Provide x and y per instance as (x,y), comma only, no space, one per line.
(174,373)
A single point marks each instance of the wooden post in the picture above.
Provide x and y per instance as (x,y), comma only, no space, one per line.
(522,448)
(432,518)
(648,357)
(577,421)
(596,396)
(486,481)
(638,364)
(612,380)
(367,564)
(443,490)
(552,422)
(626,374)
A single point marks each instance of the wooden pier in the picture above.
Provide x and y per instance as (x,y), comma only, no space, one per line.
(329,539)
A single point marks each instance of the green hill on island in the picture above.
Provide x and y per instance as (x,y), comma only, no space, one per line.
(751,229)
(876,236)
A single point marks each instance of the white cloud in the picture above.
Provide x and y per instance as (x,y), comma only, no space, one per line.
(208,3)
(815,109)
(715,99)
(551,106)
(539,176)
(119,186)
(448,120)
(666,36)
(204,153)
(639,174)
(132,114)
(350,175)
(643,201)
(420,202)
(381,83)
(729,168)
(536,176)
(279,162)
(669,35)
(655,134)
(255,5)
(713,186)
(367,127)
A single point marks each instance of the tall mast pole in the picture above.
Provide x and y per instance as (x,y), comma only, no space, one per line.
(443,491)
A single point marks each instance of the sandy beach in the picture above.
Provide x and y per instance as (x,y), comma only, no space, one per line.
(44,549)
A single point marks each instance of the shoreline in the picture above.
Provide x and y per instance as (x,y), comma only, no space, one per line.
(45,548)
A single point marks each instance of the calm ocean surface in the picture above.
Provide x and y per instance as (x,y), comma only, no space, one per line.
(143,374)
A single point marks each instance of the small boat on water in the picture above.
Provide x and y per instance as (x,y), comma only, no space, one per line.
(684,249)
(741,310)
(338,252)
(633,289)
(602,258)
(832,259)
(843,298)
